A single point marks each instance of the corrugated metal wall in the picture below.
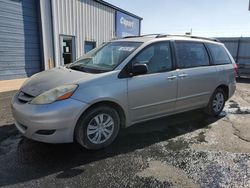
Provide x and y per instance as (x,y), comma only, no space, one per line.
(19,39)
(240,50)
(87,20)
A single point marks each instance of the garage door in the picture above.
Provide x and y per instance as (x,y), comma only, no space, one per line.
(19,39)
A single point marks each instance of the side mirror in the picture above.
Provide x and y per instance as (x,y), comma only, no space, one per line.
(139,69)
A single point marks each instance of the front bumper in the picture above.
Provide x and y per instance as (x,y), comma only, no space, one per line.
(50,123)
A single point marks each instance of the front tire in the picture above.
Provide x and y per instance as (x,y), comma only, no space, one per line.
(216,103)
(98,128)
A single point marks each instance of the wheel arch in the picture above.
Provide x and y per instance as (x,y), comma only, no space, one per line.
(225,88)
(112,104)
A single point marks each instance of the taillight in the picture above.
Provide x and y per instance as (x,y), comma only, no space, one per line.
(235,69)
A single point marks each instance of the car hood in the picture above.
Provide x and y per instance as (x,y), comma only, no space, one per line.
(50,79)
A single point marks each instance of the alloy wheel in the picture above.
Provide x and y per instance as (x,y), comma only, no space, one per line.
(218,102)
(100,128)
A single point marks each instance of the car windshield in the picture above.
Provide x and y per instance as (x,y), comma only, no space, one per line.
(105,58)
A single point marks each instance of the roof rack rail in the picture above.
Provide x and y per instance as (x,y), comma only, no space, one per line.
(151,34)
(188,36)
(127,37)
(147,35)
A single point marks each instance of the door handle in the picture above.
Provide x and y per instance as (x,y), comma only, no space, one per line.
(183,75)
(172,77)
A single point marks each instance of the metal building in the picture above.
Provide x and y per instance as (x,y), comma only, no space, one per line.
(40,34)
(239,47)
(20,47)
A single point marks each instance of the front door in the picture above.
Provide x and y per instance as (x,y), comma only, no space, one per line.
(153,94)
(67,49)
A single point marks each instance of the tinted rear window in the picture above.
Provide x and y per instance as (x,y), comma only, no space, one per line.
(219,54)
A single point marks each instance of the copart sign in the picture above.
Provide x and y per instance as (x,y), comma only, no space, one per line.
(126,25)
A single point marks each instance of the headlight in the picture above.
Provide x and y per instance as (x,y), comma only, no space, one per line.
(56,94)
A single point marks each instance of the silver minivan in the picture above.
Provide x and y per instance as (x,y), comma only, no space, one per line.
(121,83)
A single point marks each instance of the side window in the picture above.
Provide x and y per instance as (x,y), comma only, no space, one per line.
(157,57)
(191,54)
(219,54)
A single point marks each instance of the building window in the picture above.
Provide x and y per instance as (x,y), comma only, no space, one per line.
(89,45)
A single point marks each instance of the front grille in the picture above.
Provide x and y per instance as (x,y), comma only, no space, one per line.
(45,132)
(24,97)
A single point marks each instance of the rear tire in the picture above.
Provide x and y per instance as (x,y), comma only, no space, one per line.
(98,128)
(216,103)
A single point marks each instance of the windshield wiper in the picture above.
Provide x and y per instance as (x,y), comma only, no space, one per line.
(78,68)
(87,70)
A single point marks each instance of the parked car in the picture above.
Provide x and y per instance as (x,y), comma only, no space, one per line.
(122,83)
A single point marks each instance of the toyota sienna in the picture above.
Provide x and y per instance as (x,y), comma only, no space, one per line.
(121,83)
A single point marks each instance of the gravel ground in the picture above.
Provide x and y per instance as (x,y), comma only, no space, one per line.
(5,110)
(185,150)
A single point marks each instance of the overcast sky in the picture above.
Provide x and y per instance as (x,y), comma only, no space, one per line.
(207,18)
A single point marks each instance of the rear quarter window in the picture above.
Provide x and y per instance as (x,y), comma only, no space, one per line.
(219,54)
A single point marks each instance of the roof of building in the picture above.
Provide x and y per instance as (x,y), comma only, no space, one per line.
(118,9)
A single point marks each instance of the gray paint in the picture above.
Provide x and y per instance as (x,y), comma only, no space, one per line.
(19,39)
